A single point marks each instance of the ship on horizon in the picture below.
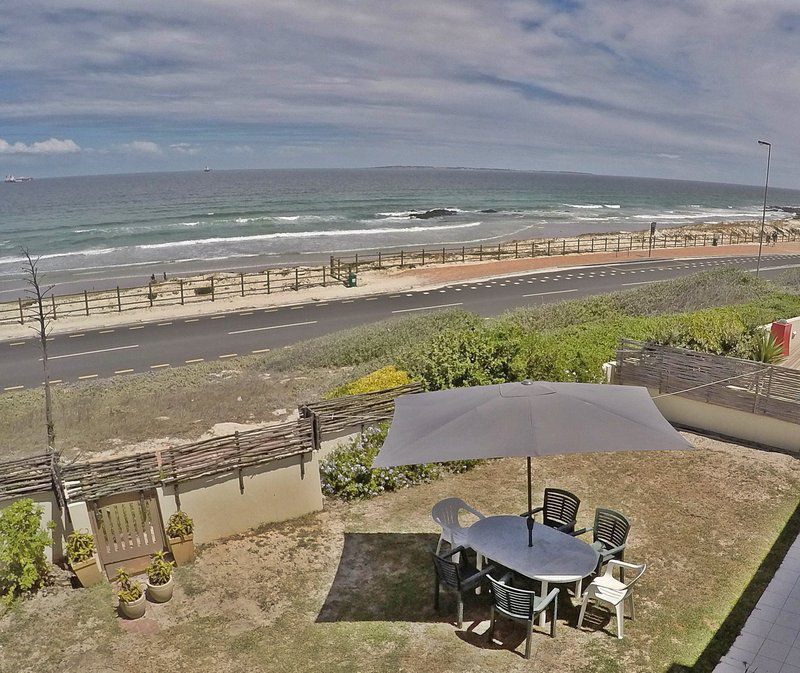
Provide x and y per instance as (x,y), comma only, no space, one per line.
(12,178)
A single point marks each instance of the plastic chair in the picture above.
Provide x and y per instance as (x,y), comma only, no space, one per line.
(614,592)
(609,536)
(457,576)
(521,605)
(445,513)
(559,511)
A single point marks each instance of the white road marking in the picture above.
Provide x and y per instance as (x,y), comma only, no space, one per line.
(17,343)
(643,282)
(296,308)
(261,329)
(13,388)
(427,308)
(247,313)
(347,301)
(270,310)
(137,327)
(325,303)
(541,294)
(158,366)
(54,381)
(106,331)
(218,317)
(192,320)
(191,362)
(164,324)
(124,371)
(261,350)
(75,336)
(227,355)
(87,376)
(100,350)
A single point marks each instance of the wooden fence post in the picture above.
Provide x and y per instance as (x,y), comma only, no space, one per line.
(212,288)
(297,279)
(480,253)
(379,259)
(605,244)
(149,295)
(401,258)
(324,279)
(516,250)
(180,282)
(21,313)
(579,245)
(423,257)
(463,254)
(86,301)
(592,248)
(499,253)
(119,299)
(267,281)
(241,278)
(444,255)
(53,301)
(548,248)
(564,246)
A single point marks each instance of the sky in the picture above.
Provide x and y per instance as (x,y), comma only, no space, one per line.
(625,87)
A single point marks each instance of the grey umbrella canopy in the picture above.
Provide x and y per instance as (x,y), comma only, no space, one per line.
(527,419)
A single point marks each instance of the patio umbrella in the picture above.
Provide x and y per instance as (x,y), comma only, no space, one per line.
(527,419)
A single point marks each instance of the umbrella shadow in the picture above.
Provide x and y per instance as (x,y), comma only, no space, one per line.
(390,577)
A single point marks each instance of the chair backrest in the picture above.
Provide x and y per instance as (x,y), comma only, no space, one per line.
(610,527)
(560,507)
(511,601)
(636,568)
(447,571)
(445,512)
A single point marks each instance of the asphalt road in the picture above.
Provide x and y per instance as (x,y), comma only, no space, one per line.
(123,350)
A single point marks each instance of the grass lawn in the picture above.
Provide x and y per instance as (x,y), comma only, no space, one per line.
(350,588)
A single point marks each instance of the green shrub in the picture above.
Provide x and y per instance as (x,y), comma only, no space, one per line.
(203,290)
(23,566)
(180,524)
(128,590)
(159,570)
(765,348)
(348,473)
(386,377)
(80,547)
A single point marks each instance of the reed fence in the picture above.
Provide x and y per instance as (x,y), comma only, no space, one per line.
(228,454)
(171,292)
(332,417)
(399,259)
(25,476)
(745,385)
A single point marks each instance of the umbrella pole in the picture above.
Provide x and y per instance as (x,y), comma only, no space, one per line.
(530,505)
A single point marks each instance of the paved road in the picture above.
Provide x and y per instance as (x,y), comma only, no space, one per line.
(102,353)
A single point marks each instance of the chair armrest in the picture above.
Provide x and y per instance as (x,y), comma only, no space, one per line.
(532,512)
(505,579)
(623,564)
(453,552)
(564,528)
(582,531)
(553,595)
(611,553)
(478,578)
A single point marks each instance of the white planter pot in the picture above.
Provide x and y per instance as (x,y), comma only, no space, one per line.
(135,609)
(160,593)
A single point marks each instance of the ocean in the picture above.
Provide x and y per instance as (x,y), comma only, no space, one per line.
(92,231)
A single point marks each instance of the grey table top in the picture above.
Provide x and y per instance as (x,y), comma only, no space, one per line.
(554,557)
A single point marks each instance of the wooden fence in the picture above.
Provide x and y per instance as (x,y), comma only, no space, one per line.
(172,292)
(734,383)
(341,266)
(228,454)
(25,476)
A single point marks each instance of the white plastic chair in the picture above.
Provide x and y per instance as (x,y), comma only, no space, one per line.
(445,513)
(607,589)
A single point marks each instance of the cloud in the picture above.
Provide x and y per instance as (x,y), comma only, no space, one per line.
(606,86)
(50,146)
(185,148)
(664,155)
(142,147)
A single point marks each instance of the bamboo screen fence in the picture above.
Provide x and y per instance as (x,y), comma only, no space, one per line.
(228,454)
(734,383)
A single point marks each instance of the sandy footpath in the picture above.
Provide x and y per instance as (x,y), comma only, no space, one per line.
(384,282)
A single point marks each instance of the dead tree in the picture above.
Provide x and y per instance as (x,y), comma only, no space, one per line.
(41,327)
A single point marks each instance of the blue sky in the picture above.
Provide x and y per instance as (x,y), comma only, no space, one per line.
(634,87)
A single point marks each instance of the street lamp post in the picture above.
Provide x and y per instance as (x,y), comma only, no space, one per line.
(764,211)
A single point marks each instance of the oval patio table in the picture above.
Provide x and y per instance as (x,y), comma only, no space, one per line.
(554,558)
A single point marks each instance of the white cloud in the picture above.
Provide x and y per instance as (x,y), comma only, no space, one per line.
(664,155)
(141,147)
(185,148)
(50,146)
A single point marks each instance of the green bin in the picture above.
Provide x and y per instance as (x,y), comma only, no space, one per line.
(351,281)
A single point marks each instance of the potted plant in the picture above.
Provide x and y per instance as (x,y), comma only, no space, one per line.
(180,535)
(131,597)
(83,559)
(159,578)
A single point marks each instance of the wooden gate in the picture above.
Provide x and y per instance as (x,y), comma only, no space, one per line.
(128,529)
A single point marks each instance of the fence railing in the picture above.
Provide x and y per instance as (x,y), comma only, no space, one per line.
(228,454)
(399,259)
(734,383)
(171,292)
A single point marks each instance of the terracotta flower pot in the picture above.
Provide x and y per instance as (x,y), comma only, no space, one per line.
(134,609)
(182,549)
(160,593)
(88,572)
